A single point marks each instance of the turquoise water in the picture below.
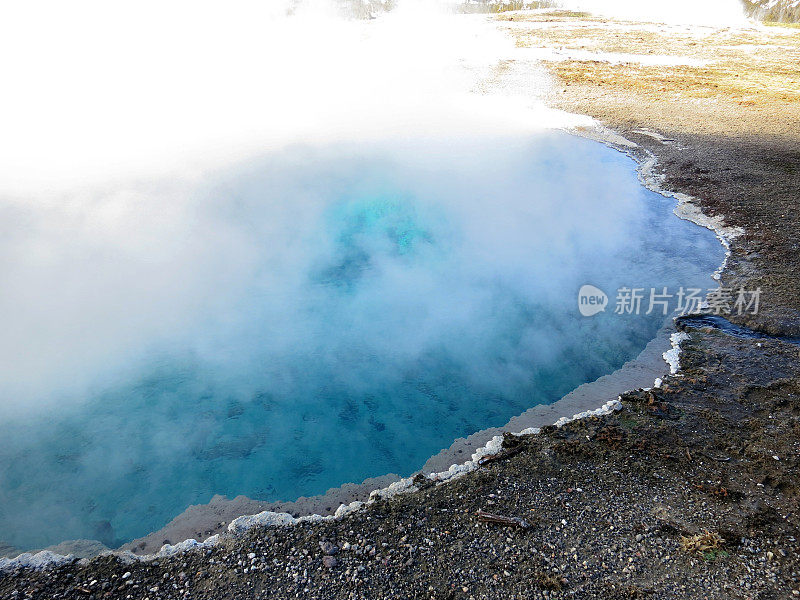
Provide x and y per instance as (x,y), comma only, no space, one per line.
(382,301)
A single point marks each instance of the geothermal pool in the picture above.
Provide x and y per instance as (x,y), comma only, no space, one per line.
(317,316)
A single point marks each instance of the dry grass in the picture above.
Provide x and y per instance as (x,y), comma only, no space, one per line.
(550,582)
(723,81)
(706,544)
(749,84)
(779,24)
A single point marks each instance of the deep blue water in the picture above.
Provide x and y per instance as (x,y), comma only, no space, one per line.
(386,300)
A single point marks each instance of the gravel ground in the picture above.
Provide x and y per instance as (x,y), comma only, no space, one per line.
(690,491)
(679,495)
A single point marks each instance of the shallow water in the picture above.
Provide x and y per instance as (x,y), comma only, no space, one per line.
(370,304)
(722,324)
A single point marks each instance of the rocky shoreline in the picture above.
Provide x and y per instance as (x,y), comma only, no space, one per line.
(691,490)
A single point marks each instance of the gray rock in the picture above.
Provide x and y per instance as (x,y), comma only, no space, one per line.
(329,548)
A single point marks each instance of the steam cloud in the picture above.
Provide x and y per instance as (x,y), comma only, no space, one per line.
(224,230)
(119,112)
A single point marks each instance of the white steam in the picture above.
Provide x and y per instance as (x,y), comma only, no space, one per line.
(115,116)
(223,229)
(116,113)
(96,89)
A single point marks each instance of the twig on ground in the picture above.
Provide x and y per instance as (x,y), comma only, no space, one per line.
(500,455)
(502,520)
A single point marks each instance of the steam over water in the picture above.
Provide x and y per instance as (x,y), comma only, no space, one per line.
(264,255)
(377,302)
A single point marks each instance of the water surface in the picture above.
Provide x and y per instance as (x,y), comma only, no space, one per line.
(369,305)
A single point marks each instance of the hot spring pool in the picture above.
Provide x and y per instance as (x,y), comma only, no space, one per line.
(316,317)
